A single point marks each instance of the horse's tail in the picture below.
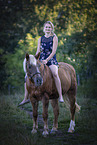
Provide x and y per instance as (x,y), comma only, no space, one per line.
(78,108)
(67,103)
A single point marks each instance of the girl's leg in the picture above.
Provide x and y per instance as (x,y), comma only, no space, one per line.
(54,70)
(26,92)
(26,99)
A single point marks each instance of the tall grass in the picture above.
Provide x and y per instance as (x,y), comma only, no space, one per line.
(16,123)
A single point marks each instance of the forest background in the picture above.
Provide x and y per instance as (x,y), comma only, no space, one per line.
(21,24)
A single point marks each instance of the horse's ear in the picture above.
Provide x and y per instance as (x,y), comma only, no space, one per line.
(27,56)
(37,55)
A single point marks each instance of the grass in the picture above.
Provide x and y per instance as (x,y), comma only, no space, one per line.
(16,124)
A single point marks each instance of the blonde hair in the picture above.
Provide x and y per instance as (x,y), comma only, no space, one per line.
(52,26)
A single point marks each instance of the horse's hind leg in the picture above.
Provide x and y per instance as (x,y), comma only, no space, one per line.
(72,100)
(54,103)
(35,114)
(45,101)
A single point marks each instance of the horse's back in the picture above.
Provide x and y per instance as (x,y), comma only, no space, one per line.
(67,76)
(67,67)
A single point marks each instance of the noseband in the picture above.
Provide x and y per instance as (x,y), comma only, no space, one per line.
(31,76)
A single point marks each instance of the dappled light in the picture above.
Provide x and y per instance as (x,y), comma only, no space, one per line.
(22,25)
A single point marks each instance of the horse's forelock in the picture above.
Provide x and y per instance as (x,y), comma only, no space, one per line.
(32,60)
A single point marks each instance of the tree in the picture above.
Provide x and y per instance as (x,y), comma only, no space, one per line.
(22,24)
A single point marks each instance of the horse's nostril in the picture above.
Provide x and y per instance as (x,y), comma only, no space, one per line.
(39,81)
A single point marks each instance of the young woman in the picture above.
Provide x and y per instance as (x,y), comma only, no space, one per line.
(47,45)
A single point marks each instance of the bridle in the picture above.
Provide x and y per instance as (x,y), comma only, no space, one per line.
(32,76)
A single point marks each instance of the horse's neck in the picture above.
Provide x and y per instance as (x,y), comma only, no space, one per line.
(46,73)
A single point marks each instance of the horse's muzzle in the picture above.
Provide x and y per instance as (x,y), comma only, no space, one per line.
(38,81)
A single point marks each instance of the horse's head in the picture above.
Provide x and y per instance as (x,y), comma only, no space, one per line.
(31,67)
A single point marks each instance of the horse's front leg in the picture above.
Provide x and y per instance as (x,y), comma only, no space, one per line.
(35,114)
(55,106)
(45,101)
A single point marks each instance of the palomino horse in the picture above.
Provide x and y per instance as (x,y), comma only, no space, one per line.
(41,87)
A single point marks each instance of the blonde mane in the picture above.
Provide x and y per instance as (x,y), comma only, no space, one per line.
(32,61)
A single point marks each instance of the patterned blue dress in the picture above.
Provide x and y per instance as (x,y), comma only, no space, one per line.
(46,50)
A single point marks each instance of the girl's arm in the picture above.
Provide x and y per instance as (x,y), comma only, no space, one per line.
(38,47)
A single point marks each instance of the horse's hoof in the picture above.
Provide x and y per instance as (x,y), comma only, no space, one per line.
(53,131)
(45,133)
(34,131)
(70,131)
(61,101)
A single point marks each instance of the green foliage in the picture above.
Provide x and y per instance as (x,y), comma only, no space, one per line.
(14,63)
(89,87)
(22,25)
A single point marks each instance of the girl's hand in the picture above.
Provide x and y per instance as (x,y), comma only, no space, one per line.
(44,61)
